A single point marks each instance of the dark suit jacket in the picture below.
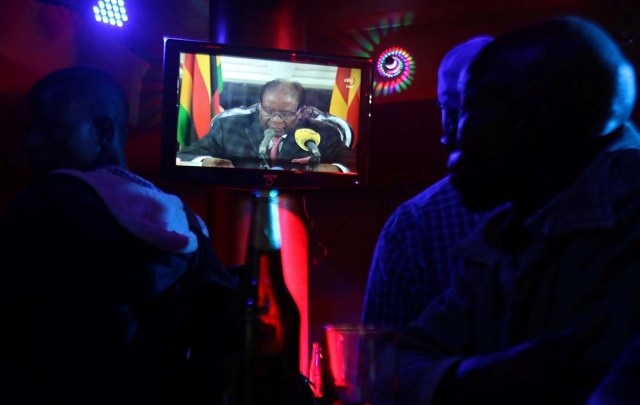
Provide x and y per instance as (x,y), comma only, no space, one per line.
(238,137)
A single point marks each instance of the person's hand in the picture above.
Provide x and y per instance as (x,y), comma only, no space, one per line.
(327,167)
(216,162)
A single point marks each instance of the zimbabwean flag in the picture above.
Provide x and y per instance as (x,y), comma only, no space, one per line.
(345,98)
(200,89)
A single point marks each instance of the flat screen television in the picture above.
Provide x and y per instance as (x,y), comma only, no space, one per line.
(212,109)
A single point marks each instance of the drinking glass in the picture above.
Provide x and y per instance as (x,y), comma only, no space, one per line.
(360,364)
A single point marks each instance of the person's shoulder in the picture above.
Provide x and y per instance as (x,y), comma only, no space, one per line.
(57,202)
(58,186)
(322,127)
(235,117)
(73,196)
(440,200)
(439,193)
(427,200)
(238,113)
(621,160)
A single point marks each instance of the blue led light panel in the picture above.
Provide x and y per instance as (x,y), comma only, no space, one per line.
(111,12)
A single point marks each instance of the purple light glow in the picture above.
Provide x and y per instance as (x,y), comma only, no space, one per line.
(396,67)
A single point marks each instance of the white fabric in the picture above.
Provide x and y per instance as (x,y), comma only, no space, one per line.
(150,214)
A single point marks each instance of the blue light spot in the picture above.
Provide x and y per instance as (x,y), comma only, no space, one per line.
(111,12)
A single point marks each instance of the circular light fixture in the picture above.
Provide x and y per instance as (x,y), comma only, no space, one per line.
(396,67)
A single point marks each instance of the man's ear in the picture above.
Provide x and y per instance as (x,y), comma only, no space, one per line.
(105,131)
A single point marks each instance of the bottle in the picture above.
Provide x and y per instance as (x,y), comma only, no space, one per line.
(315,370)
(268,369)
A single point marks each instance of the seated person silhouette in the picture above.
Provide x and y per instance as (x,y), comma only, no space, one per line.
(275,133)
(116,294)
(413,261)
(547,297)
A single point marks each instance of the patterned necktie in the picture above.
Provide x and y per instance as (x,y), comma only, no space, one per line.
(273,153)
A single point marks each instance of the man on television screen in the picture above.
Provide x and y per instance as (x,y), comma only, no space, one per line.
(273,134)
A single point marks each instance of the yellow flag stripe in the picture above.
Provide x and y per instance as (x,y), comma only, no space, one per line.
(204,65)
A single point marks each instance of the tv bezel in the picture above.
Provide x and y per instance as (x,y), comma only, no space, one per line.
(254,179)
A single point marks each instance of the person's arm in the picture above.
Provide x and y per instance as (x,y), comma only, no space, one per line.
(551,366)
(335,155)
(207,151)
(394,289)
(437,365)
(432,346)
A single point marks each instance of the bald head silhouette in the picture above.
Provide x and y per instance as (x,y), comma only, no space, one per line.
(80,118)
(539,103)
(451,67)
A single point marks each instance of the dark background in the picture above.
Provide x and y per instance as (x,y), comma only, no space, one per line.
(340,227)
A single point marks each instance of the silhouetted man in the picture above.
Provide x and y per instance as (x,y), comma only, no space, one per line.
(547,297)
(111,292)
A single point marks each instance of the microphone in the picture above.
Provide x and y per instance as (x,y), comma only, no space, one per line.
(262,149)
(308,140)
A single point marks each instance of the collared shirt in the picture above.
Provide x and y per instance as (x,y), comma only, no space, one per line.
(578,259)
(412,261)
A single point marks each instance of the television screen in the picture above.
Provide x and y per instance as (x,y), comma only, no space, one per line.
(250,118)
